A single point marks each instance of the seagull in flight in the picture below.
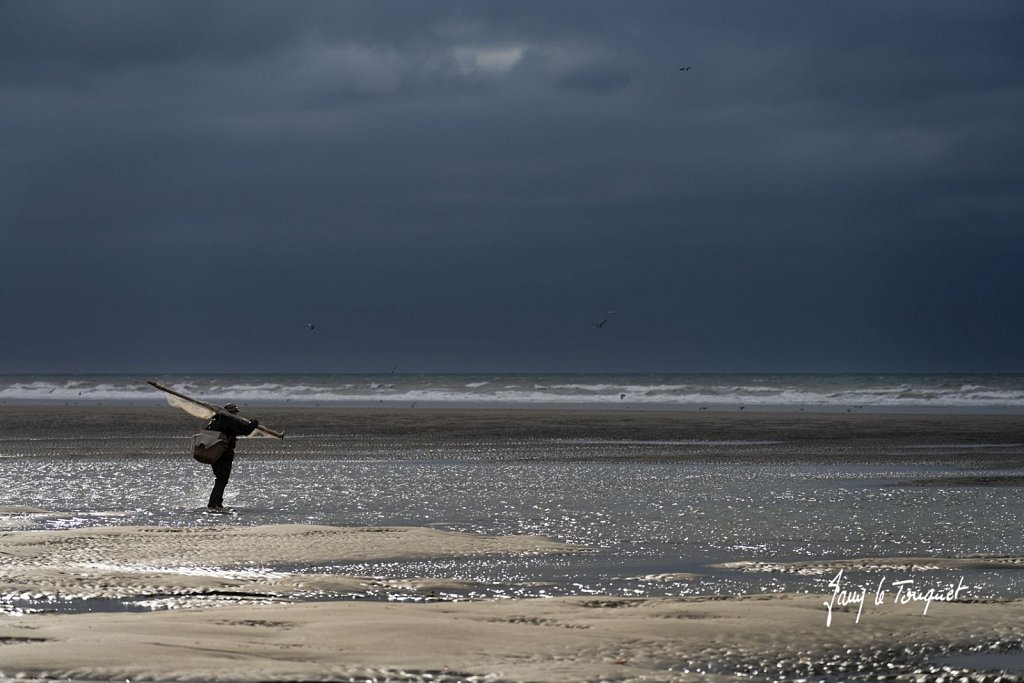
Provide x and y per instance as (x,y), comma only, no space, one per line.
(311,326)
(606,319)
(685,68)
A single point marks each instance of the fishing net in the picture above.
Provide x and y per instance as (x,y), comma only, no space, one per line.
(194,409)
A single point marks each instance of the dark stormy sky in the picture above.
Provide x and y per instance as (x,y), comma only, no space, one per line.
(468,186)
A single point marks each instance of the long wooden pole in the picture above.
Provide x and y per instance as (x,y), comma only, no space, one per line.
(216,409)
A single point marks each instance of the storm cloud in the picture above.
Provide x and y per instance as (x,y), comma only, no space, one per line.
(469,185)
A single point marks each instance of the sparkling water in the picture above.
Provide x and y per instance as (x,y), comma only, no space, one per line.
(643,508)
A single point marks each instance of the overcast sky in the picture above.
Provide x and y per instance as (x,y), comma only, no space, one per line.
(469,186)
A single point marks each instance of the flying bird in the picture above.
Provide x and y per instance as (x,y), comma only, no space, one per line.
(685,68)
(607,318)
(311,326)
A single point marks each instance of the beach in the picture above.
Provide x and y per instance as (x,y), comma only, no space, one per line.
(513,544)
(811,434)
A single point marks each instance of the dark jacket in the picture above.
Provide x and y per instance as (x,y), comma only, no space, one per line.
(232,426)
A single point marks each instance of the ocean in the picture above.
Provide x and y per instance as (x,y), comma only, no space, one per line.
(913,393)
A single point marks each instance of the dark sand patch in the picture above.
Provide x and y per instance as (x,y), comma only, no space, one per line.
(904,564)
(1010,480)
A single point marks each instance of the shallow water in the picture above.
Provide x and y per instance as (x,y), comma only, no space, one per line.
(643,512)
(1012,661)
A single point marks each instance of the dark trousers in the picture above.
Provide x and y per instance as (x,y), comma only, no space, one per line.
(222,471)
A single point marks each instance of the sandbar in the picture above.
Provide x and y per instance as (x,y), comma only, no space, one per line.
(558,640)
(238,618)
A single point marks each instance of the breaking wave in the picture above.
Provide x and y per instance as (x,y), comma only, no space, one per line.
(850,391)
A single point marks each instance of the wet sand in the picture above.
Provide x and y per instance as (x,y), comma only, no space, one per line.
(247,604)
(202,566)
(562,639)
(1010,480)
(234,622)
(760,436)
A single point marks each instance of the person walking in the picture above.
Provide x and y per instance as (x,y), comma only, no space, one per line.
(232,427)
